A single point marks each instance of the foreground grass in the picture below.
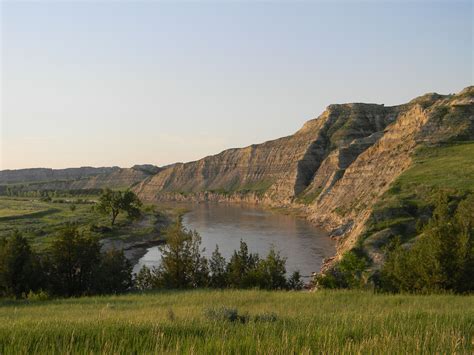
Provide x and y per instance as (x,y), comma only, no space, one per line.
(175,322)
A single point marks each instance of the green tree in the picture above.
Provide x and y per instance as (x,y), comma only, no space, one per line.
(241,268)
(349,272)
(145,279)
(113,202)
(200,265)
(20,269)
(217,266)
(295,282)
(75,259)
(272,271)
(114,274)
(181,263)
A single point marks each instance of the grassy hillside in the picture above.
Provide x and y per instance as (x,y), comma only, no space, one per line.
(277,322)
(448,168)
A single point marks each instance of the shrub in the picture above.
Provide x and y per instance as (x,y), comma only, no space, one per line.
(348,273)
(266,317)
(226,314)
(38,296)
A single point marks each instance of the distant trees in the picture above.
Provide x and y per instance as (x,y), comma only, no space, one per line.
(183,266)
(111,203)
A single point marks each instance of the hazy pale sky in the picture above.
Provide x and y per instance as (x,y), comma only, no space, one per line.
(104,83)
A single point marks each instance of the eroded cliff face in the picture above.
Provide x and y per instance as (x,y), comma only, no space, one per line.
(335,167)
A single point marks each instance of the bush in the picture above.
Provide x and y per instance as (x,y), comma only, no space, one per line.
(348,273)
(37,296)
(226,314)
(266,317)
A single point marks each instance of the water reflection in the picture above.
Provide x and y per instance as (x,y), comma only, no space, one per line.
(304,245)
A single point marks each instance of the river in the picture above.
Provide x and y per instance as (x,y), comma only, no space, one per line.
(304,245)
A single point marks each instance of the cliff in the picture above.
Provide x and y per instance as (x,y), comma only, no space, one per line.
(336,167)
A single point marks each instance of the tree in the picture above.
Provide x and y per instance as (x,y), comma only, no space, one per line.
(145,279)
(113,202)
(20,269)
(295,282)
(217,266)
(240,269)
(272,271)
(75,259)
(199,263)
(115,273)
(181,263)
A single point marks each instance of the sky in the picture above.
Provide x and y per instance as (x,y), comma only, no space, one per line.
(106,83)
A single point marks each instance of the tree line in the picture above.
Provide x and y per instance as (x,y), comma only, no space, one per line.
(44,194)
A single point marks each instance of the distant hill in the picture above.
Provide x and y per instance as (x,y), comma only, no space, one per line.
(76,178)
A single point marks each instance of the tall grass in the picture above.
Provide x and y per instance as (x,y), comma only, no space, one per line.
(176,322)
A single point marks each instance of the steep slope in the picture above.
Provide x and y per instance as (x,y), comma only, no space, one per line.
(276,171)
(337,167)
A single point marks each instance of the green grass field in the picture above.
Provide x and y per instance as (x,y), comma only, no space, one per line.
(39,221)
(303,322)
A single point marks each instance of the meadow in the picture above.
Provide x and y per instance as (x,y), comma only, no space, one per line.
(268,322)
